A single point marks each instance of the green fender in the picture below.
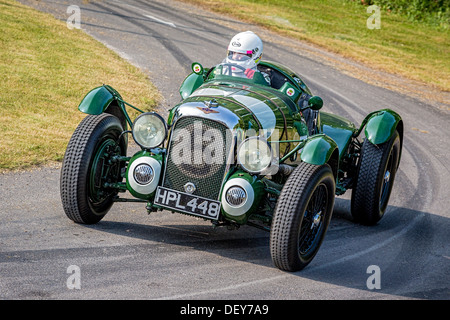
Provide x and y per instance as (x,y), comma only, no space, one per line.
(381,126)
(190,84)
(105,99)
(321,149)
(97,100)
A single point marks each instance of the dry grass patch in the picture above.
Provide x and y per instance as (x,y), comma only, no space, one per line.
(46,70)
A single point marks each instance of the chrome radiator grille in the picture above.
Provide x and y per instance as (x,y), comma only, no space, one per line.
(197,154)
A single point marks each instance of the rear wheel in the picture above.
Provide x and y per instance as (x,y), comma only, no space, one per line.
(302,216)
(90,165)
(376,173)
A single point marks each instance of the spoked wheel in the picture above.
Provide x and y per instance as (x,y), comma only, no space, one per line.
(91,167)
(302,216)
(313,221)
(376,173)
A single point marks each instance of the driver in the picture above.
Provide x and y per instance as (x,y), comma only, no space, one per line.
(245,50)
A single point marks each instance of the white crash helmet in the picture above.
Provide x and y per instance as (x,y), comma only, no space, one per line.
(245,49)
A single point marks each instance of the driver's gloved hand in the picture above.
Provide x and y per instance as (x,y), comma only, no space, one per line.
(249,73)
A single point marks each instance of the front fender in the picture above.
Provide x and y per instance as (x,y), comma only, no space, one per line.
(381,126)
(105,99)
(190,84)
(96,101)
(321,149)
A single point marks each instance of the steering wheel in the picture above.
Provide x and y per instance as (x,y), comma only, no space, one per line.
(230,65)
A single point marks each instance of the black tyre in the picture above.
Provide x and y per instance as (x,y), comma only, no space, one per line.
(302,216)
(376,173)
(88,167)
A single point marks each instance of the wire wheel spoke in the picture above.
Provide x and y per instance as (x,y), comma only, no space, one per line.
(302,216)
(386,183)
(313,220)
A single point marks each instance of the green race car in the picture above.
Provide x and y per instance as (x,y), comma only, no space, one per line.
(235,151)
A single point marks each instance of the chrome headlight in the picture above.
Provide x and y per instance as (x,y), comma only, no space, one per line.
(149,130)
(254,154)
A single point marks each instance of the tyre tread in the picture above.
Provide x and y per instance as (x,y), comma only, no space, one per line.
(72,188)
(282,243)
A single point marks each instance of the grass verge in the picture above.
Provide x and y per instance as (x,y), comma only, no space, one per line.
(414,50)
(46,70)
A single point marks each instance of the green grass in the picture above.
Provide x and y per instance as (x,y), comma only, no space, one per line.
(46,70)
(432,12)
(415,50)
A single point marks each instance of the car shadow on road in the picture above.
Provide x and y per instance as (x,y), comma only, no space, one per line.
(409,249)
(407,245)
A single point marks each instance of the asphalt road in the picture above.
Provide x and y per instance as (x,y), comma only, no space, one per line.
(132,255)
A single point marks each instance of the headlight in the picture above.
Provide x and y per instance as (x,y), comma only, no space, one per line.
(143,173)
(254,154)
(235,196)
(149,130)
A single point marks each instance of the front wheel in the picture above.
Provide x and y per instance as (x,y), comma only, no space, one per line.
(90,165)
(302,216)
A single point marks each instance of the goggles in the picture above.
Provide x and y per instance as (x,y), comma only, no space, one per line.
(238,56)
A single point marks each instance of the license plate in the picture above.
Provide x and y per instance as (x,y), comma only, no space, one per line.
(187,203)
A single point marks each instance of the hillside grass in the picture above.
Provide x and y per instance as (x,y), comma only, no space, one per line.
(412,49)
(432,12)
(46,70)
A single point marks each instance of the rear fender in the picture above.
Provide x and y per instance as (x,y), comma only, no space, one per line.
(319,150)
(381,126)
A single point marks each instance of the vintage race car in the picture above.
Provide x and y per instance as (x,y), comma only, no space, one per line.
(235,151)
